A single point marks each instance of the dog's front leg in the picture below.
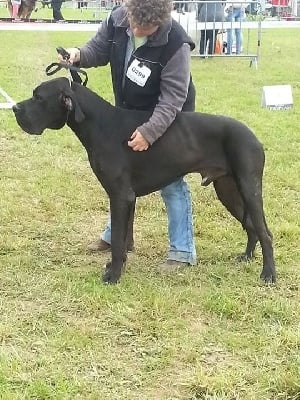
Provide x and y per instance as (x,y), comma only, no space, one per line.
(121,210)
(129,238)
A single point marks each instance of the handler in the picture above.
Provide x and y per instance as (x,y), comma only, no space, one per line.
(149,56)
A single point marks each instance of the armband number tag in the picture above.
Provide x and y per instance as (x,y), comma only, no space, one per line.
(138,73)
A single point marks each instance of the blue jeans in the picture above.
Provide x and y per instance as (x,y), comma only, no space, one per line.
(236,15)
(178,203)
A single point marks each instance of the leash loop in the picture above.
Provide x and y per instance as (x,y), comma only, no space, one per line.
(75,71)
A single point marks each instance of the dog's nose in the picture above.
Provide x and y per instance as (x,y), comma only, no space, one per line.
(15,108)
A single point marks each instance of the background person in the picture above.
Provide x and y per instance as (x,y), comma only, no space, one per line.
(180,7)
(236,13)
(56,10)
(209,12)
(141,35)
(82,4)
(14,10)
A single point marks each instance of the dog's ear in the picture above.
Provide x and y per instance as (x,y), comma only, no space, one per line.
(71,104)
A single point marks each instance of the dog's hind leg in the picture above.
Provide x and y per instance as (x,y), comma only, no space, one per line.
(229,195)
(245,204)
(251,189)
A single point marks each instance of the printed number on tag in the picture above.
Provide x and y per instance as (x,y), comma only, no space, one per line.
(138,73)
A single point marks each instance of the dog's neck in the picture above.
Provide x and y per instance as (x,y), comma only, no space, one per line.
(110,120)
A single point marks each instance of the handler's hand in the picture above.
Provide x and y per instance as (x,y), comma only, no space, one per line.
(74,55)
(137,142)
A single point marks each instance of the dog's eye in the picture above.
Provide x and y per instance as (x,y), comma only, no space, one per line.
(37,97)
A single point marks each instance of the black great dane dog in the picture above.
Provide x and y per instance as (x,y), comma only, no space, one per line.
(223,150)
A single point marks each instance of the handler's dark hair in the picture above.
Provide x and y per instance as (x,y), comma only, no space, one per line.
(148,12)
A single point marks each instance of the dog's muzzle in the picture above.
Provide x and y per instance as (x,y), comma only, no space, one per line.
(23,121)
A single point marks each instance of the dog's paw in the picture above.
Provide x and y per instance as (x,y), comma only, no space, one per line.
(268,276)
(110,276)
(244,257)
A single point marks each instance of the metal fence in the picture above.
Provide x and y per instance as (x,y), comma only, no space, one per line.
(220,29)
(98,8)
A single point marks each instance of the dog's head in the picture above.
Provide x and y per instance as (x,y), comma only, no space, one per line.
(52,104)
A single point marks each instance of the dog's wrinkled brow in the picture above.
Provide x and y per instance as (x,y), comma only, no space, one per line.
(36,94)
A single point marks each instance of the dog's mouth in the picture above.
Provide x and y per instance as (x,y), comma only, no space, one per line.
(31,132)
(26,126)
(25,123)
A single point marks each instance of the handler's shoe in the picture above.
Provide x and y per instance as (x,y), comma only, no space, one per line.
(172,265)
(98,245)
(101,246)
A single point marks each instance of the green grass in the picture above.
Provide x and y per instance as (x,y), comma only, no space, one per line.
(213,332)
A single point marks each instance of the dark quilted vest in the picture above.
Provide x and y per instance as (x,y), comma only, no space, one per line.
(132,96)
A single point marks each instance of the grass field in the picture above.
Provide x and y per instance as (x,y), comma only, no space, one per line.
(212,332)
